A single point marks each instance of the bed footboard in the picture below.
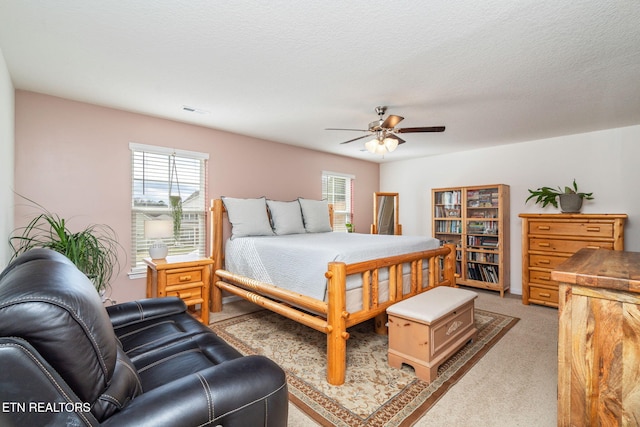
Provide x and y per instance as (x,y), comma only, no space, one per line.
(339,319)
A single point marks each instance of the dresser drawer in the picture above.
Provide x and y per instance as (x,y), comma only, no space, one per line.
(583,229)
(184,276)
(568,246)
(546,261)
(542,277)
(543,294)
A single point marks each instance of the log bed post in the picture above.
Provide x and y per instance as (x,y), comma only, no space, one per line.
(337,334)
(450,265)
(215,293)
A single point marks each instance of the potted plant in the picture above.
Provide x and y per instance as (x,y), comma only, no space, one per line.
(94,250)
(570,198)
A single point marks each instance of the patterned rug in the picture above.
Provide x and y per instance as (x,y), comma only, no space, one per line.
(374,394)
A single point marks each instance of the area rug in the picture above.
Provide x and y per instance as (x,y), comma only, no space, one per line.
(374,394)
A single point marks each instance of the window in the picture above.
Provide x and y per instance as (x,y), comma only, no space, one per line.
(162,177)
(337,189)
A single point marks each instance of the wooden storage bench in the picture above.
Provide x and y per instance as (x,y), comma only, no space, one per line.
(425,330)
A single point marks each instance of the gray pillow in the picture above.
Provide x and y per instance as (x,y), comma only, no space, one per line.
(286,217)
(315,214)
(248,217)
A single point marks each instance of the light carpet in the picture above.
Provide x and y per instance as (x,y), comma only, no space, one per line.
(374,394)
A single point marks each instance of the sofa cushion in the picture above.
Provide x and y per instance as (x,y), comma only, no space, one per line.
(145,325)
(181,358)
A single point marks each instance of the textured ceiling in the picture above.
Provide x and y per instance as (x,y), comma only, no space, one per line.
(493,72)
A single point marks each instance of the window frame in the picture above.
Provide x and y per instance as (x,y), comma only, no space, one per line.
(348,196)
(138,269)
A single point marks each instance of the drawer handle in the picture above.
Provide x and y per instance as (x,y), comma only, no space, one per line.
(544,227)
(594,229)
(544,294)
(593,247)
(544,278)
(544,244)
(184,295)
(544,261)
(185,278)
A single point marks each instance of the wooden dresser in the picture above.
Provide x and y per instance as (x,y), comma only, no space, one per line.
(550,239)
(599,339)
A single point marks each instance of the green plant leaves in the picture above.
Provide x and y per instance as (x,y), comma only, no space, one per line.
(548,196)
(93,250)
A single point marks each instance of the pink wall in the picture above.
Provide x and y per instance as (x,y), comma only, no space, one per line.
(73,158)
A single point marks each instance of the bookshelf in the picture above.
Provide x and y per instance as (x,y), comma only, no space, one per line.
(476,220)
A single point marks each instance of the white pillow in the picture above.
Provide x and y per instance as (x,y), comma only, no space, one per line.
(248,217)
(315,214)
(286,217)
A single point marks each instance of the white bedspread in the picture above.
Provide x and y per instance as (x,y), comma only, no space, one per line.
(297,262)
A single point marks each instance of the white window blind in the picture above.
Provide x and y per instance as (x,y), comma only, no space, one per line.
(158,175)
(338,189)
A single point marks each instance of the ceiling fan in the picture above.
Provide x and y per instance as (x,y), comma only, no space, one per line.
(385,131)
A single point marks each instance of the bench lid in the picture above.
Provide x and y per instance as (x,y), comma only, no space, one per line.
(432,305)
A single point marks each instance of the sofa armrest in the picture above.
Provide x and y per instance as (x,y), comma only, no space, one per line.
(248,391)
(145,309)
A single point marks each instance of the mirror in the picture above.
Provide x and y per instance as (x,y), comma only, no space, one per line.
(385,214)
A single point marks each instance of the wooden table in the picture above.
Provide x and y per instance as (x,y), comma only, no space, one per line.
(184,276)
(599,338)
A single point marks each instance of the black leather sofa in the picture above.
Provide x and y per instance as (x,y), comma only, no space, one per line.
(66,360)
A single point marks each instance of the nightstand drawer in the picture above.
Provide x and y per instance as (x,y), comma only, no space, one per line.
(568,246)
(187,294)
(543,294)
(186,276)
(585,229)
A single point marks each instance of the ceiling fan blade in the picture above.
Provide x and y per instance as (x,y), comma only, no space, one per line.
(354,139)
(357,130)
(391,122)
(421,129)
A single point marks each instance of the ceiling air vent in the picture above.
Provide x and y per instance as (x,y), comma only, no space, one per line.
(194,110)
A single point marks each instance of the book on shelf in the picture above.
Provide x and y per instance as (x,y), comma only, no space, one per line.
(483,273)
(449,227)
(449,198)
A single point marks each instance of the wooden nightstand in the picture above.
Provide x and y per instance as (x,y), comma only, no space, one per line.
(184,276)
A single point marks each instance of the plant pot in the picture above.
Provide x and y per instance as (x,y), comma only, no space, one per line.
(570,203)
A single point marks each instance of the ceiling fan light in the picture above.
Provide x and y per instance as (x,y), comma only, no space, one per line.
(371,146)
(390,144)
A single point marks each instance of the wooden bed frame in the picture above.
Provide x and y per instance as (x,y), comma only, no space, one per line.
(333,319)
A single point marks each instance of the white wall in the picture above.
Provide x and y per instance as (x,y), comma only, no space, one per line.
(6,160)
(606,163)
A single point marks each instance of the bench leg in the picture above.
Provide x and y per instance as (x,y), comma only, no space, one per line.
(422,371)
(395,361)
(426,373)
